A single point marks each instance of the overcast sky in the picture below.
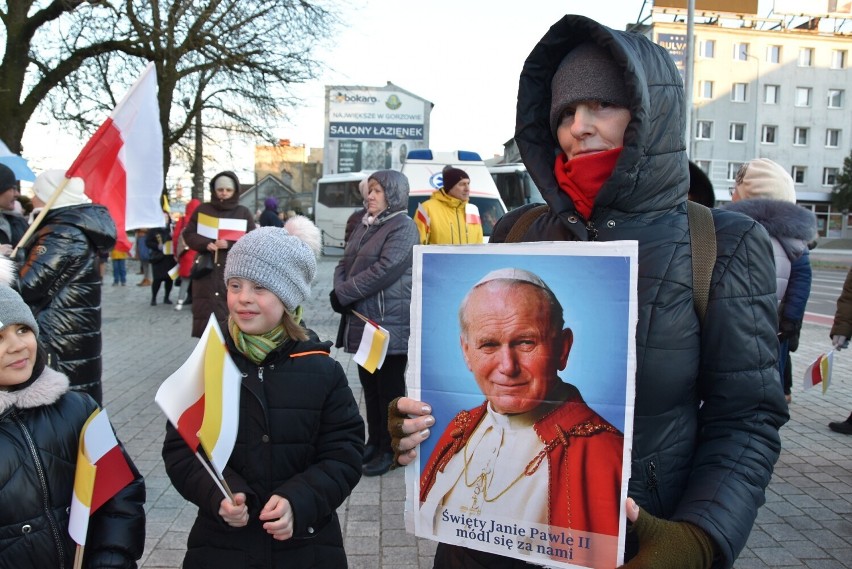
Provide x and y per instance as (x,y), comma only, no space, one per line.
(462,55)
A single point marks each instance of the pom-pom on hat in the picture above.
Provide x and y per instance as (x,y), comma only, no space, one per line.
(46,182)
(587,73)
(8,180)
(283,261)
(763,178)
(453,176)
(13,309)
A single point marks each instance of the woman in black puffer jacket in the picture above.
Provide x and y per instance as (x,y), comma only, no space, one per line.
(61,283)
(40,424)
(709,402)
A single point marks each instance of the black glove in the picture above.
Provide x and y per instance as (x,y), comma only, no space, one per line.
(336,305)
(789,330)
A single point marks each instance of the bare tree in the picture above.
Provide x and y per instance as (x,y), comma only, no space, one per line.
(45,43)
(233,61)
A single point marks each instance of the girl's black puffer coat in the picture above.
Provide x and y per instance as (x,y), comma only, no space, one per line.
(39,433)
(301,437)
(709,401)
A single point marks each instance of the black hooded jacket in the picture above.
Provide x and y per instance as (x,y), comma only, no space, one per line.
(709,401)
(61,284)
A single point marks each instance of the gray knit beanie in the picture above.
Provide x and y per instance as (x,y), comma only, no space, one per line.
(587,73)
(13,309)
(282,260)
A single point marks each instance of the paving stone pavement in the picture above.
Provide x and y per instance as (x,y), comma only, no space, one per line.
(806,522)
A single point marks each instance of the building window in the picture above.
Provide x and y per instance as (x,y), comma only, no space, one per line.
(707,49)
(803,96)
(771,94)
(769,134)
(829,176)
(737,132)
(703,165)
(705,89)
(739,92)
(835,98)
(806,57)
(838,59)
(798,174)
(704,130)
(832,138)
(740,51)
(800,136)
(733,168)
(773,53)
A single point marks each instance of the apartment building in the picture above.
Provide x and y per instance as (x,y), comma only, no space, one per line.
(764,89)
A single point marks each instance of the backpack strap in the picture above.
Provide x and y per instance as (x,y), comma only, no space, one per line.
(519,229)
(702,242)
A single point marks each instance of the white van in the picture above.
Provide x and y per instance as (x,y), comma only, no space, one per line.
(423,169)
(515,185)
(337,197)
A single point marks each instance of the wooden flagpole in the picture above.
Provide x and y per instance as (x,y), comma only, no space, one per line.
(78,557)
(34,225)
(219,480)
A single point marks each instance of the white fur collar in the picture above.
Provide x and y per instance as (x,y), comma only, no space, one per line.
(47,389)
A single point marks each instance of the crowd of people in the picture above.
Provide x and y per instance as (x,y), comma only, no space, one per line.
(599,128)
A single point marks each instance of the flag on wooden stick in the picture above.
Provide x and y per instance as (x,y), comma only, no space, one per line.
(122,164)
(102,471)
(221,227)
(202,398)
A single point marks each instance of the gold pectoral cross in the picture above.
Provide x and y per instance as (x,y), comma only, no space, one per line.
(478,486)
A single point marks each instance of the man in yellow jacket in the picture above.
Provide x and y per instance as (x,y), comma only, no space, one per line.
(448,218)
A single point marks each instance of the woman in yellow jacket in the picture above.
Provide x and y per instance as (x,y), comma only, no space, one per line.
(448,218)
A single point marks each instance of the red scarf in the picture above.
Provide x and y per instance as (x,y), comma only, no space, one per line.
(582,177)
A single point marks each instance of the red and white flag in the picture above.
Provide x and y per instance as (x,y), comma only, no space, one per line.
(820,371)
(102,471)
(221,227)
(202,398)
(471,214)
(122,164)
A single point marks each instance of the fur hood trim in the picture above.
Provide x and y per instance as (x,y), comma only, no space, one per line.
(780,218)
(46,390)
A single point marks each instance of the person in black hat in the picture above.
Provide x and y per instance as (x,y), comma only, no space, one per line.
(448,217)
(13,225)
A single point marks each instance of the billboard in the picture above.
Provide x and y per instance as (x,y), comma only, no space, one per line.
(372,128)
(839,8)
(731,6)
(675,44)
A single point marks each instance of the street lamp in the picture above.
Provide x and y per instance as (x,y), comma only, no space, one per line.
(197,168)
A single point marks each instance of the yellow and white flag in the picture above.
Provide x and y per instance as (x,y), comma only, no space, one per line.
(202,398)
(374,347)
(174,272)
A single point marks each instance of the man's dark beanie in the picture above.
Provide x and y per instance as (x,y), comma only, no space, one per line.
(7,178)
(453,176)
(587,73)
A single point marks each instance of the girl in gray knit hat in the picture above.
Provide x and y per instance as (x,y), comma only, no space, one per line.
(40,424)
(300,436)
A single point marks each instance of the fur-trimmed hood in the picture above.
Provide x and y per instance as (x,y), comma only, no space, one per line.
(791,225)
(46,390)
(781,219)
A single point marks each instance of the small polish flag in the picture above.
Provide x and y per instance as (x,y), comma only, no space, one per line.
(820,371)
(471,214)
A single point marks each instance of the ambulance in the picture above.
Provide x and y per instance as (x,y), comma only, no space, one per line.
(423,169)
